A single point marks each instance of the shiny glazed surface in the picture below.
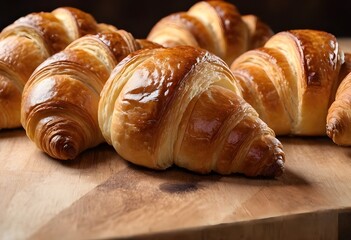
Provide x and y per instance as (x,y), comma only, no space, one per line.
(182,106)
(292,80)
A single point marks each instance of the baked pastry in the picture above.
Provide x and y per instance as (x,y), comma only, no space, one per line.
(182,106)
(60,100)
(216,26)
(28,42)
(292,80)
(339,113)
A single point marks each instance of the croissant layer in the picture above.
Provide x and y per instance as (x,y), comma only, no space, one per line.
(60,100)
(182,106)
(29,41)
(216,26)
(292,80)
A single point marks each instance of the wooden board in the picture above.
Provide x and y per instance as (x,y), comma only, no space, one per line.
(102,196)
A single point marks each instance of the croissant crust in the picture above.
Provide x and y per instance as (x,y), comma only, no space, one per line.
(292,80)
(216,26)
(182,106)
(28,42)
(60,100)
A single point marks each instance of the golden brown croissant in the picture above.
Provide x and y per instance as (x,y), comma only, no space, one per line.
(339,113)
(181,106)
(292,80)
(216,26)
(28,42)
(60,100)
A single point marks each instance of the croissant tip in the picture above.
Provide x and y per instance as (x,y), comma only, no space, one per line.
(69,151)
(64,148)
(276,169)
(332,128)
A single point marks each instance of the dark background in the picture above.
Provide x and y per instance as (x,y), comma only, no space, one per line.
(138,17)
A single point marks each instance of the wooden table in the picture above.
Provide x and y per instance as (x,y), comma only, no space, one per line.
(102,196)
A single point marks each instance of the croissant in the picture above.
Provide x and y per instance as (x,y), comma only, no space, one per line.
(60,99)
(181,106)
(339,113)
(28,42)
(216,26)
(292,80)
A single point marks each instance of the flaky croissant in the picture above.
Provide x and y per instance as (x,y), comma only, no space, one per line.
(28,42)
(216,26)
(181,106)
(339,113)
(292,80)
(60,100)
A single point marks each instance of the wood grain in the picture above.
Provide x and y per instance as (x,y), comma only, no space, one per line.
(100,195)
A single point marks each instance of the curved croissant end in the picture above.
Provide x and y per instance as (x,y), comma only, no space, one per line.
(28,42)
(60,100)
(182,106)
(216,26)
(339,114)
(292,80)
